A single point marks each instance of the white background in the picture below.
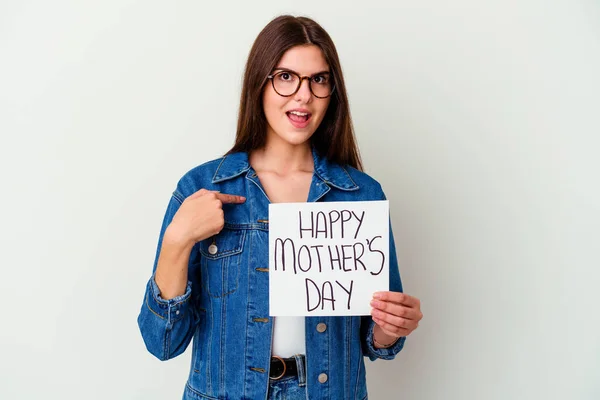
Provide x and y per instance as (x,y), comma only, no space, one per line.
(480,119)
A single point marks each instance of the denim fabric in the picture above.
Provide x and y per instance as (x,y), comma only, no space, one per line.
(225,308)
(290,388)
(286,389)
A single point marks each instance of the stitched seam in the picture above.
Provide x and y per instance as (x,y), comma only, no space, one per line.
(247,269)
(318,172)
(232,175)
(151,310)
(214,178)
(226,253)
(166,304)
(329,339)
(351,180)
(323,194)
(209,347)
(178,196)
(197,393)
(329,181)
(225,263)
(251,226)
(357,377)
(257,185)
(223,347)
(167,342)
(223,254)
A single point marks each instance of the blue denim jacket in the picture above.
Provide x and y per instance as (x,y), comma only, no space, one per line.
(225,308)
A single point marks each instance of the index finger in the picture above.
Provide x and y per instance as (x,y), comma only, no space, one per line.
(230,198)
(398,297)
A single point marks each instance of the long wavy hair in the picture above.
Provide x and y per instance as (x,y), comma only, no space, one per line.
(334,138)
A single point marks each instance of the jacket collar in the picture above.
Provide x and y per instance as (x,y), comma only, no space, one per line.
(233,165)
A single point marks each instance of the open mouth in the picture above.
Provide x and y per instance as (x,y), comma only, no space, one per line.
(299,119)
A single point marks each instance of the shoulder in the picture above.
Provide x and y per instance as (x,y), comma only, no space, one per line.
(199,177)
(368,187)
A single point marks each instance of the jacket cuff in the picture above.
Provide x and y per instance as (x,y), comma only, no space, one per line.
(171,310)
(387,353)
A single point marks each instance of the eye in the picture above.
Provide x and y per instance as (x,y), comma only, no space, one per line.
(286,76)
(321,79)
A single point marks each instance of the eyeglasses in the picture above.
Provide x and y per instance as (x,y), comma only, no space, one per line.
(287,83)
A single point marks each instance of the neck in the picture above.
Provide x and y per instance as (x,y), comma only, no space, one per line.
(282,157)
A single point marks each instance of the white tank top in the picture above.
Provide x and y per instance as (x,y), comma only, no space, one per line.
(288,336)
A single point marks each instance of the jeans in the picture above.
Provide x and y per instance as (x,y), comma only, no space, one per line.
(291,387)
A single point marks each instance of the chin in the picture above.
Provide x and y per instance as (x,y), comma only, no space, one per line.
(296,138)
(293,136)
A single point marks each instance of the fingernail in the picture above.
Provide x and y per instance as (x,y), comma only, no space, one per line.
(242,198)
(374,303)
(377,295)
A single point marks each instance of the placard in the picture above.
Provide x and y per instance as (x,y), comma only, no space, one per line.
(327,258)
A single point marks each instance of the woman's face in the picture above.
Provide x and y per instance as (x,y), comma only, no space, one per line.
(294,119)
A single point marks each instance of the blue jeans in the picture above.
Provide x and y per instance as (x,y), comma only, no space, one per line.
(289,388)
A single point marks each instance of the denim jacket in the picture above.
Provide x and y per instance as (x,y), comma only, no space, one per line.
(225,307)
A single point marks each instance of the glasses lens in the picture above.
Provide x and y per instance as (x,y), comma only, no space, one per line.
(321,85)
(285,83)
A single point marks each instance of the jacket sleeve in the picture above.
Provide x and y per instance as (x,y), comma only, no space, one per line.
(167,326)
(367,323)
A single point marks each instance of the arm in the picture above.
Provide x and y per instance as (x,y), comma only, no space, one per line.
(167,318)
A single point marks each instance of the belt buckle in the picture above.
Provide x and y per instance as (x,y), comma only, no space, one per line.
(284,368)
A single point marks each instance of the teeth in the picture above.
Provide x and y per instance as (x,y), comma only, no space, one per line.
(301,114)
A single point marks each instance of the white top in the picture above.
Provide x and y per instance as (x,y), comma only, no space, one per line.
(288,336)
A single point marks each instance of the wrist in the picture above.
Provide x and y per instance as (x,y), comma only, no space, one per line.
(174,236)
(381,340)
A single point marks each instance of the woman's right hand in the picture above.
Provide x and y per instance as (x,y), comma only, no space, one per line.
(200,216)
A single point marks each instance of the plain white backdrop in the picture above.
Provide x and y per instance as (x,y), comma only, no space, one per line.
(481,119)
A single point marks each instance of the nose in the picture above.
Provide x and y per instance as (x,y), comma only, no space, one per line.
(304,94)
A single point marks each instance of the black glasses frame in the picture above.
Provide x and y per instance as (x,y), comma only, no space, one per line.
(300,80)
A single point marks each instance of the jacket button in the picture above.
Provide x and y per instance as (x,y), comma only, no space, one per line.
(323,378)
(321,327)
(212,249)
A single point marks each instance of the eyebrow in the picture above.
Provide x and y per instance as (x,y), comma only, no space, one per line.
(297,73)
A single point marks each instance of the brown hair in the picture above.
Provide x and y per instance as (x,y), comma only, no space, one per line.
(334,138)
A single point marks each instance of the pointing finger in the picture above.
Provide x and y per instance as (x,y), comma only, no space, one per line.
(230,198)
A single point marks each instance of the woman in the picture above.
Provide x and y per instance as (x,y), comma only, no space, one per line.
(294,143)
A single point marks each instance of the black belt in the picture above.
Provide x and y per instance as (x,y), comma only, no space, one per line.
(283,367)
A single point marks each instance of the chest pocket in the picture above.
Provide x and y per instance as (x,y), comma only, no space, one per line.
(220,262)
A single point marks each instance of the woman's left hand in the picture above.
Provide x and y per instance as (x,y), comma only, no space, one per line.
(397,314)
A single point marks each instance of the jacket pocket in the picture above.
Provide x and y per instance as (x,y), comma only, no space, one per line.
(220,262)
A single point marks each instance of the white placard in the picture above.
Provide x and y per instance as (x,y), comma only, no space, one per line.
(327,258)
